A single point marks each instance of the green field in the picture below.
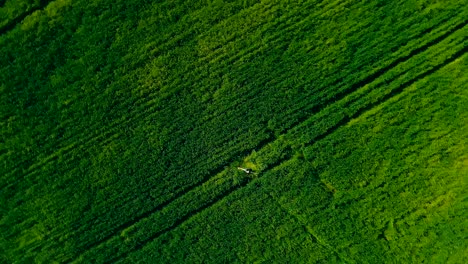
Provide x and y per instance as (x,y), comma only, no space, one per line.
(123,124)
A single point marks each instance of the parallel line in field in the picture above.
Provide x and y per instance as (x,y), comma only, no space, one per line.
(165,45)
(128,224)
(127,121)
(198,68)
(372,77)
(274,38)
(252,52)
(183,219)
(85,139)
(195,186)
(388,96)
(342,123)
(109,129)
(149,97)
(116,124)
(327,99)
(146,101)
(346,120)
(247,153)
(161,46)
(63,152)
(14,22)
(352,116)
(232,59)
(147,213)
(439,26)
(413,53)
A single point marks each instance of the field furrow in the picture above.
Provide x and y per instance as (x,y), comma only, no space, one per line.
(136,115)
(342,202)
(345,120)
(91,141)
(104,135)
(170,200)
(173,208)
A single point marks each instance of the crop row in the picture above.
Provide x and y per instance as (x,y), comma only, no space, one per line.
(260,158)
(169,181)
(395,165)
(72,154)
(365,219)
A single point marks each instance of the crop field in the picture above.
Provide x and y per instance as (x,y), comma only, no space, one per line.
(123,124)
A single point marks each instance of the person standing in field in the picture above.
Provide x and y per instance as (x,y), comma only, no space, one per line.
(248,171)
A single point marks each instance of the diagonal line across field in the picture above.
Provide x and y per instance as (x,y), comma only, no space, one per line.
(126,128)
(150,108)
(342,122)
(98,134)
(344,89)
(389,95)
(92,139)
(150,104)
(320,137)
(130,223)
(86,142)
(160,207)
(354,87)
(182,191)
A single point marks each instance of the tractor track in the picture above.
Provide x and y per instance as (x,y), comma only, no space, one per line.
(319,137)
(315,109)
(111,132)
(150,109)
(344,121)
(341,123)
(186,217)
(107,132)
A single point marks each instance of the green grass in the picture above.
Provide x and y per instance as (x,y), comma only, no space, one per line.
(123,123)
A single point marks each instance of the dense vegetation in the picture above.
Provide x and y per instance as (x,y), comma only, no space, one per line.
(123,124)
